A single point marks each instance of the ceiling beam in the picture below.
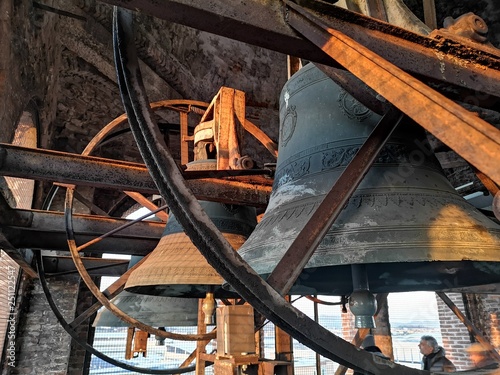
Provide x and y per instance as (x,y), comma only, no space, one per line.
(75,169)
(96,267)
(46,230)
(262,23)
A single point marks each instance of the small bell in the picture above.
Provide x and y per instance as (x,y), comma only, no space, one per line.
(151,310)
(176,268)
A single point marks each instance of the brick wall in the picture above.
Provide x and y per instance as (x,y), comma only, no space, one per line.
(42,345)
(455,335)
(348,330)
(482,310)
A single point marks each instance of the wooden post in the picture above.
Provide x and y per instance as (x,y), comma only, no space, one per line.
(183,117)
(382,333)
(128,343)
(141,343)
(200,345)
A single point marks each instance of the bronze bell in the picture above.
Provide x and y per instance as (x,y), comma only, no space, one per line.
(405,224)
(176,268)
(152,310)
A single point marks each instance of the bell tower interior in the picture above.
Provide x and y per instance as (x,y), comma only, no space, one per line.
(248,187)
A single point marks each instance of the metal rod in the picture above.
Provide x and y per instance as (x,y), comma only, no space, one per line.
(316,319)
(47,165)
(120,228)
(56,274)
(359,277)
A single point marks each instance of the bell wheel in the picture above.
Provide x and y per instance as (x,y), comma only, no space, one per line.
(203,233)
(151,214)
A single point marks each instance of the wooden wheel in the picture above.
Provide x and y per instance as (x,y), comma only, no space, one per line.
(117,128)
(205,235)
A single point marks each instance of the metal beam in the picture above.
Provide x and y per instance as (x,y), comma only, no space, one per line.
(66,168)
(46,230)
(21,257)
(475,140)
(262,23)
(61,265)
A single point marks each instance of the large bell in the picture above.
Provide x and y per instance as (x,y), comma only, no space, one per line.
(405,224)
(176,267)
(152,310)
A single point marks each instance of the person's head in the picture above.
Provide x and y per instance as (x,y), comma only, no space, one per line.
(428,345)
(478,352)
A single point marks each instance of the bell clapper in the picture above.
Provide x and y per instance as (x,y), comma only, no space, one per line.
(362,302)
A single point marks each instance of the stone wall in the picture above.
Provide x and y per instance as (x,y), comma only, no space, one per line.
(79,358)
(42,345)
(29,64)
(455,335)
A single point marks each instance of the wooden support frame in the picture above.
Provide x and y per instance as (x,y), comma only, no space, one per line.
(225,116)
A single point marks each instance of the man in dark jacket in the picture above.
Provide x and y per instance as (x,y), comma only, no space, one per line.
(434,358)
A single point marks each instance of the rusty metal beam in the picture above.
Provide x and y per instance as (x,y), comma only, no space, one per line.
(17,256)
(46,165)
(61,265)
(46,230)
(22,257)
(262,23)
(475,140)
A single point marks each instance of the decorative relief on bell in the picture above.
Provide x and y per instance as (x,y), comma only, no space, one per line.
(338,157)
(293,171)
(307,78)
(288,125)
(352,108)
(319,159)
